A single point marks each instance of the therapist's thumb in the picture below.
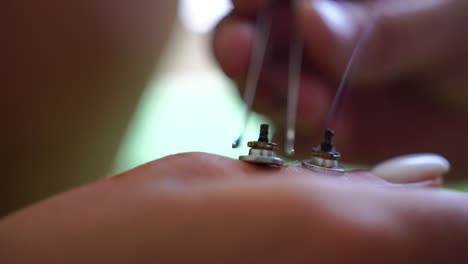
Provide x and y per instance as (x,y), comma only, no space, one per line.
(399,36)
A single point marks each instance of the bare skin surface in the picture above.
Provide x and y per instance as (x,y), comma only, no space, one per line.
(202,208)
(408,92)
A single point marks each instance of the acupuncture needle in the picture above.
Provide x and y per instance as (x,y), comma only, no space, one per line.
(353,59)
(261,38)
(294,82)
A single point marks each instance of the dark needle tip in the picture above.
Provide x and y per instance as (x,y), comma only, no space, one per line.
(264,130)
(327,144)
(236,143)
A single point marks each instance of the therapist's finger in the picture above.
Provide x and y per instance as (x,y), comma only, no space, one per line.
(232,45)
(250,8)
(402,38)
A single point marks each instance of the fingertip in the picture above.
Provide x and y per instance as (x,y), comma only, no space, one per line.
(329,30)
(232,45)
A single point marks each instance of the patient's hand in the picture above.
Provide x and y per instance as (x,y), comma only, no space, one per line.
(200,208)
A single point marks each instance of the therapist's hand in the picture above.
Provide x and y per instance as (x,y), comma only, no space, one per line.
(200,208)
(408,91)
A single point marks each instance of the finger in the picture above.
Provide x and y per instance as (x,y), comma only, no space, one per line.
(232,45)
(314,98)
(234,37)
(424,170)
(140,216)
(203,167)
(331,30)
(314,219)
(249,8)
(371,124)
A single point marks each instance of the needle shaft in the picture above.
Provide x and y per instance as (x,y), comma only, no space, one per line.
(294,82)
(362,40)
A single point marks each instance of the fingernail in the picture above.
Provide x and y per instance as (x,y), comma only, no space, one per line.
(412,168)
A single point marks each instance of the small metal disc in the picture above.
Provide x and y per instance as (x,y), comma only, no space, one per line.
(262,151)
(310,164)
(272,161)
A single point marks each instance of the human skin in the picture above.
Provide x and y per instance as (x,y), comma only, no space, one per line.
(408,90)
(75,70)
(201,208)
